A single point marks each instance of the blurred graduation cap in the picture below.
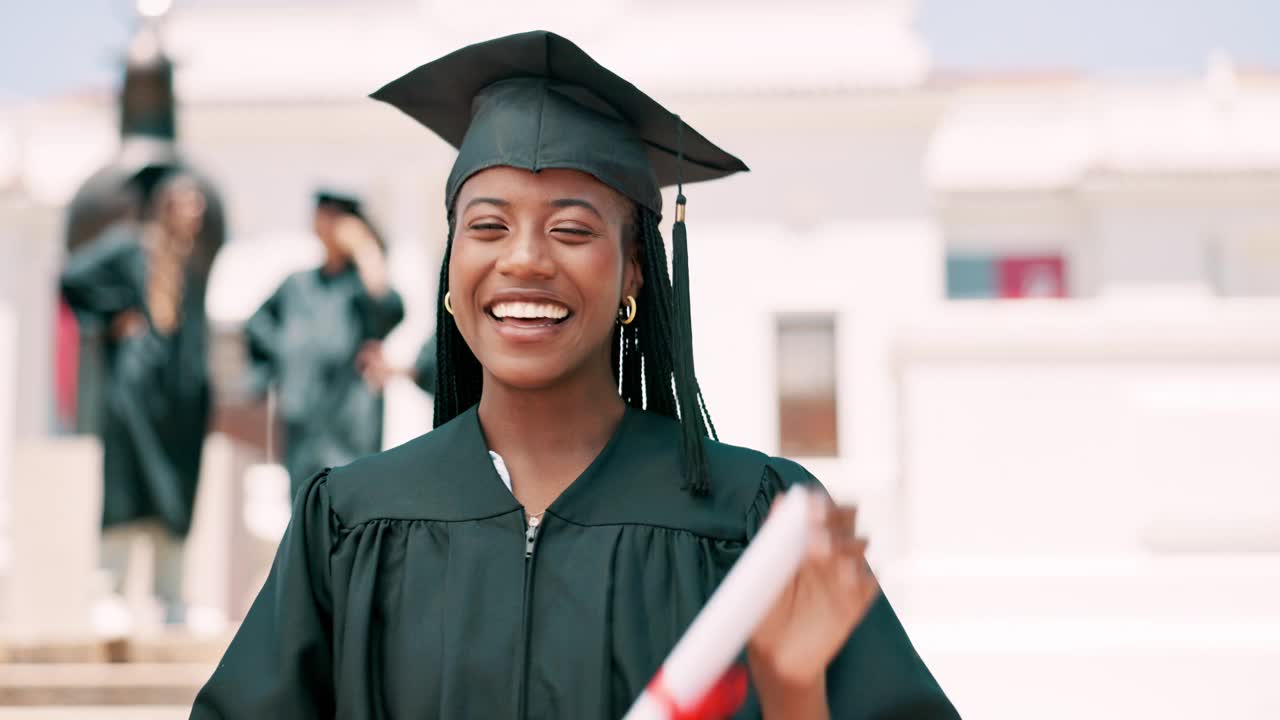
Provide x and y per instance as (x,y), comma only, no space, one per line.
(346,200)
(340,199)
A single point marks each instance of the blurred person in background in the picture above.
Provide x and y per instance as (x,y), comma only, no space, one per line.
(376,369)
(540,552)
(141,281)
(306,340)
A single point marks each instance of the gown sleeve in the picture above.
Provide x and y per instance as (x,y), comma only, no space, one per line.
(280,663)
(379,314)
(878,675)
(95,282)
(262,340)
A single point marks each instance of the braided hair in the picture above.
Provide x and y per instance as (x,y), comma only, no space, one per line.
(652,357)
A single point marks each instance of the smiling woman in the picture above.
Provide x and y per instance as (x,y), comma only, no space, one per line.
(540,551)
(537,273)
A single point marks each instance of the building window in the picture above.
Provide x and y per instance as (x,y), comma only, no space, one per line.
(806,347)
(971,276)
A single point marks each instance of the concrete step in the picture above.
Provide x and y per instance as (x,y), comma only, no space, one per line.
(85,712)
(178,648)
(114,684)
(60,650)
(166,647)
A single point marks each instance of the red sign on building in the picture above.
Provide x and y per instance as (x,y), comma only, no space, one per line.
(1032,277)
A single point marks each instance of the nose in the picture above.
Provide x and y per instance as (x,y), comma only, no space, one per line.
(526,256)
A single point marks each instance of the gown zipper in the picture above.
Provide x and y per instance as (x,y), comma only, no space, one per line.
(532,525)
(531,536)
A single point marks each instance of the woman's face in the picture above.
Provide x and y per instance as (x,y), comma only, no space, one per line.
(182,213)
(325,219)
(539,268)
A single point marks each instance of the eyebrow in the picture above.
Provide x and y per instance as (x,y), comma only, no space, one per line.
(577,202)
(486,201)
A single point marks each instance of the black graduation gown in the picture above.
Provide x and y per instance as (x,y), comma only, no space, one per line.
(403,589)
(156,395)
(305,338)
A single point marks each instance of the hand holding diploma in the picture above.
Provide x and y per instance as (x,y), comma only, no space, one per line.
(814,615)
(792,599)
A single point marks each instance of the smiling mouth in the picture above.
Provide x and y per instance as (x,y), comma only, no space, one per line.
(529,314)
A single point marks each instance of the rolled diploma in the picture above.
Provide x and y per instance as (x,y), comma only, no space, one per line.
(723,627)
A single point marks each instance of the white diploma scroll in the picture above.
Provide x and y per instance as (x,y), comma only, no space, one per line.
(721,630)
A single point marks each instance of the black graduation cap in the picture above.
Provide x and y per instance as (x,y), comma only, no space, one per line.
(341,199)
(536,100)
(348,202)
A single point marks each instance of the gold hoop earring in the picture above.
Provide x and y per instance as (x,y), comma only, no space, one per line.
(628,315)
(448,306)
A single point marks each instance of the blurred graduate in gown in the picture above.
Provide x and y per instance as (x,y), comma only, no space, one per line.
(306,337)
(143,283)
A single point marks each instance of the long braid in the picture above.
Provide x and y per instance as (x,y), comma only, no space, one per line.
(445,378)
(656,331)
(630,366)
(670,384)
(458,378)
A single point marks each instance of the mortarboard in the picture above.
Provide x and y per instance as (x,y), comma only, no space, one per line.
(341,199)
(536,100)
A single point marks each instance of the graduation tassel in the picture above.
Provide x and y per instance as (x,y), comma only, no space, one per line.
(691,407)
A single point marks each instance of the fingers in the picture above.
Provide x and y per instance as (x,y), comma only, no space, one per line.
(353,234)
(832,527)
(837,553)
(369,356)
(843,520)
(825,512)
(374,376)
(850,546)
(371,365)
(851,568)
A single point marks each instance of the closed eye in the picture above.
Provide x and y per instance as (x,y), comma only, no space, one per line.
(487,226)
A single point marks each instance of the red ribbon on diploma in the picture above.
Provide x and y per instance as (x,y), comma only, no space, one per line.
(721,701)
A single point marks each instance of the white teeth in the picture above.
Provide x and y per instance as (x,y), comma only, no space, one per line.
(530,311)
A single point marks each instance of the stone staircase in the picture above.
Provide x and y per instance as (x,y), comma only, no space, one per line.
(141,678)
(75,712)
(51,663)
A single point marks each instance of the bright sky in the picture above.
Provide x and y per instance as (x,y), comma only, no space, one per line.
(54,46)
